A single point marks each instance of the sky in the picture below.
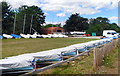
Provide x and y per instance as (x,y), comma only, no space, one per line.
(58,11)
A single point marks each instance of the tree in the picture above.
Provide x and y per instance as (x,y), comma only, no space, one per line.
(97,28)
(99,24)
(38,18)
(20,19)
(76,23)
(114,26)
(50,25)
(7,18)
(102,20)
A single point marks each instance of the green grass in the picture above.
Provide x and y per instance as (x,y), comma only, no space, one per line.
(78,67)
(81,65)
(84,65)
(109,60)
(13,47)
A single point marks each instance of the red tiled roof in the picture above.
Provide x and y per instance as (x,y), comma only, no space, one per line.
(49,29)
(53,28)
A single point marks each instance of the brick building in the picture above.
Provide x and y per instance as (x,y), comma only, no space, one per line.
(52,30)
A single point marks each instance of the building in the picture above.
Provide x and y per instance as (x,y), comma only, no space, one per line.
(77,33)
(53,30)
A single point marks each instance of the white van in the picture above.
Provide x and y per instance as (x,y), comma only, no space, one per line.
(109,33)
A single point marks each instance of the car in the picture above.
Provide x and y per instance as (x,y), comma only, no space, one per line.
(109,33)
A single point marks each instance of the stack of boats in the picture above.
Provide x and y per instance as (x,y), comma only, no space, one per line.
(26,61)
(7,36)
(32,36)
(1,37)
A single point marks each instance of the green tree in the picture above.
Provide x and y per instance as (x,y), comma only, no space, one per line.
(20,19)
(99,24)
(38,18)
(102,20)
(76,23)
(50,25)
(114,26)
(7,18)
(97,28)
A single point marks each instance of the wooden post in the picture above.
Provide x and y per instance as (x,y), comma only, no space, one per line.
(68,62)
(77,51)
(34,65)
(88,54)
(61,56)
(95,60)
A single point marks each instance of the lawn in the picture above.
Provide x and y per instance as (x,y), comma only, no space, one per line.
(13,47)
(84,65)
(80,65)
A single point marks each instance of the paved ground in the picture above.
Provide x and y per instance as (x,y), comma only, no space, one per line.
(93,37)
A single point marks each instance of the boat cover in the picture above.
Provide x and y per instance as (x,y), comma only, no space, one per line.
(7,36)
(16,36)
(25,60)
(79,46)
(16,62)
(24,36)
(1,37)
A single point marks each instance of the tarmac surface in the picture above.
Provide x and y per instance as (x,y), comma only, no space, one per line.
(93,37)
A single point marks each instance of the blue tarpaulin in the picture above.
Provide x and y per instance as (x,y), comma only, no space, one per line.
(118,36)
(1,37)
(15,36)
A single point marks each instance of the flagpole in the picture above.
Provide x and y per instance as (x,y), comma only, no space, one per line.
(58,22)
(31,24)
(14,24)
(24,23)
(52,24)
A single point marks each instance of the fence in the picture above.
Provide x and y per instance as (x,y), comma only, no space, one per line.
(101,52)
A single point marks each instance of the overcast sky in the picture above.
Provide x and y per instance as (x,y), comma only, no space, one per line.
(57,11)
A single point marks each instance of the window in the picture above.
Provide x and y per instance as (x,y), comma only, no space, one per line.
(59,30)
(108,33)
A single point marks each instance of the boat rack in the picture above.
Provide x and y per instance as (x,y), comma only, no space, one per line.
(56,63)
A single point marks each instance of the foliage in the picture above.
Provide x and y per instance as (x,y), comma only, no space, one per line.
(97,28)
(51,25)
(7,18)
(76,23)
(38,18)
(99,24)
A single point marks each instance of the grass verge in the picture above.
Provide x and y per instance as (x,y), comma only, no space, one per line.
(13,47)
(81,65)
(84,64)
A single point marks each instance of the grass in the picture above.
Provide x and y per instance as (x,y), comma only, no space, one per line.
(81,65)
(84,65)
(110,63)
(13,47)
(109,60)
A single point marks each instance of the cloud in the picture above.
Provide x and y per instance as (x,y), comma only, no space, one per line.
(61,14)
(119,23)
(17,3)
(46,13)
(87,7)
(62,23)
(113,18)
